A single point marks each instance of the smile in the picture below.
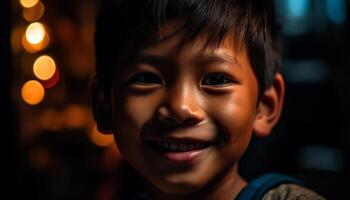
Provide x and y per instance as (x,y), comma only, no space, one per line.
(179,146)
(179,152)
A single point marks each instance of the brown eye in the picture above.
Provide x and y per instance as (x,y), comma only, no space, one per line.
(145,78)
(216,80)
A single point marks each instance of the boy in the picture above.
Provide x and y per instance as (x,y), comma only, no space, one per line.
(183,85)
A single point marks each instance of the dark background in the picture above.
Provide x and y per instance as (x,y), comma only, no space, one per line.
(54,159)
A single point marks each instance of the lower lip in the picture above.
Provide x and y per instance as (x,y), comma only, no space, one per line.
(187,157)
(183,158)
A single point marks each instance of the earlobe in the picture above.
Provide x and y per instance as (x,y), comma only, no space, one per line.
(101,107)
(270,107)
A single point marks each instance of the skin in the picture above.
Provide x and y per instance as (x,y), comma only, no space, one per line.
(209,94)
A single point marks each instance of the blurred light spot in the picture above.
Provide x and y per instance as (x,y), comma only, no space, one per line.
(51,120)
(320,157)
(33,48)
(53,80)
(100,139)
(34,13)
(39,157)
(305,71)
(76,116)
(298,8)
(28,3)
(336,11)
(32,92)
(44,67)
(16,36)
(35,33)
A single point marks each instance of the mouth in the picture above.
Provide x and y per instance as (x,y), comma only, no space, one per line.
(178,146)
(179,151)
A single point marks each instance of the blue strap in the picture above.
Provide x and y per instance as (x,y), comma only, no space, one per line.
(256,189)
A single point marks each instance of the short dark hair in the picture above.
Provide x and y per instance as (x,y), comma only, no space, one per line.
(123,25)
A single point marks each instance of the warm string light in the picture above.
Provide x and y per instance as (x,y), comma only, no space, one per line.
(44,67)
(33,48)
(35,39)
(28,3)
(33,92)
(34,13)
(100,139)
(52,81)
(35,33)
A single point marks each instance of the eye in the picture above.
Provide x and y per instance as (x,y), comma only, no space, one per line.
(145,78)
(217,80)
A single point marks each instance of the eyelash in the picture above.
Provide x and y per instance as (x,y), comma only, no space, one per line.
(145,78)
(215,79)
(221,79)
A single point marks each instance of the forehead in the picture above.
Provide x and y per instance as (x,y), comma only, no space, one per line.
(168,40)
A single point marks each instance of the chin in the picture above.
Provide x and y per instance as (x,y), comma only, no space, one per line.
(182,187)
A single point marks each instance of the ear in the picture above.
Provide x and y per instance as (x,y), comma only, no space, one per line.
(101,106)
(270,107)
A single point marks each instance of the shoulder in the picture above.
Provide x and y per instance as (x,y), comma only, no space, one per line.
(291,192)
(276,186)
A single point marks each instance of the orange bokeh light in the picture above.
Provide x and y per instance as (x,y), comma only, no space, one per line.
(44,67)
(34,13)
(52,81)
(32,92)
(35,33)
(100,139)
(28,3)
(33,48)
(51,120)
(76,116)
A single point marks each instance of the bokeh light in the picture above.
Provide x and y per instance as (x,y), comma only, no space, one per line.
(53,80)
(33,48)
(76,116)
(100,139)
(44,67)
(28,3)
(298,8)
(336,11)
(32,92)
(35,33)
(51,120)
(34,13)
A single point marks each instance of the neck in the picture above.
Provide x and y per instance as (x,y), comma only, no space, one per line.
(228,187)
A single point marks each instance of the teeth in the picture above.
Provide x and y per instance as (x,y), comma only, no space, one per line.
(173,146)
(184,146)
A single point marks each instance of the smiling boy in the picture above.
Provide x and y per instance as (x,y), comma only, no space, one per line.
(183,86)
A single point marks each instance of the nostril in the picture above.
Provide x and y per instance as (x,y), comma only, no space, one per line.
(170,120)
(178,121)
(190,121)
(183,117)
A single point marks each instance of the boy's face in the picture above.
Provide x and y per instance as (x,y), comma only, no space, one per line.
(183,118)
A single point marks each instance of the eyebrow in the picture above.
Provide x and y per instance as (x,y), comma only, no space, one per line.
(204,59)
(219,58)
(154,60)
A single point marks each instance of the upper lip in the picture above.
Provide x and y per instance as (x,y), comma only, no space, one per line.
(176,139)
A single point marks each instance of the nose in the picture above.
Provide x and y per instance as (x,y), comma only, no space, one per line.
(181,106)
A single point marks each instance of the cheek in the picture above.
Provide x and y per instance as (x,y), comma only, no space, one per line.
(130,114)
(134,111)
(235,114)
